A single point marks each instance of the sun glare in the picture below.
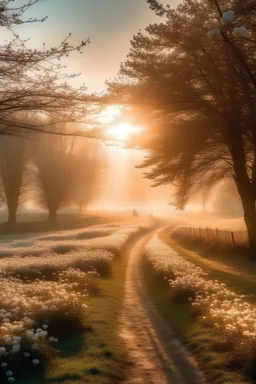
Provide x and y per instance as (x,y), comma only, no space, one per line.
(116,128)
(123,131)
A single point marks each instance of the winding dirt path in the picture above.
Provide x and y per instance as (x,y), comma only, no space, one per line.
(157,357)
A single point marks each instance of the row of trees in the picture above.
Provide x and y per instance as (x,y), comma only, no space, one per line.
(53,170)
(192,78)
(57,169)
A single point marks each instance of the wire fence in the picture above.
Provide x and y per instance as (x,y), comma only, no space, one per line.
(213,235)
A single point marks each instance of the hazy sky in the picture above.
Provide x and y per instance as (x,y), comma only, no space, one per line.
(110,24)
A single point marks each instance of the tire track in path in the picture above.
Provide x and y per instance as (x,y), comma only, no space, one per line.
(157,356)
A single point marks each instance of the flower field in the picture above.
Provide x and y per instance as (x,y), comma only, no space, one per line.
(45,283)
(109,239)
(210,300)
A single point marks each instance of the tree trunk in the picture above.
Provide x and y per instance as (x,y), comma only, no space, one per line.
(52,217)
(245,188)
(12,211)
(250,221)
(248,202)
(80,210)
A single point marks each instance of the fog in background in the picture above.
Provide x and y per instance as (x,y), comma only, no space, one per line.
(58,173)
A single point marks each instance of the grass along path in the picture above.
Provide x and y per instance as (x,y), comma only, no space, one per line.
(98,356)
(206,345)
(239,281)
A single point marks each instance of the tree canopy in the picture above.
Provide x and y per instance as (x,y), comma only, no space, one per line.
(192,80)
(34,80)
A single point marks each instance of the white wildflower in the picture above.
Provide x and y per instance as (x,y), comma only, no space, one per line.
(53,339)
(15,349)
(214,33)
(239,32)
(227,17)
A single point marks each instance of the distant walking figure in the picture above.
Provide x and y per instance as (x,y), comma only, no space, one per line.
(135,213)
(151,217)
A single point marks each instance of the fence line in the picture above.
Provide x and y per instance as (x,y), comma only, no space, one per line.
(214,235)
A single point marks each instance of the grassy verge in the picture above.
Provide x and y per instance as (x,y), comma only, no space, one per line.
(98,355)
(205,343)
(241,281)
(237,255)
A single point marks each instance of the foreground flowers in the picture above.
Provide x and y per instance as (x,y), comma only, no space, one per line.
(14,353)
(44,293)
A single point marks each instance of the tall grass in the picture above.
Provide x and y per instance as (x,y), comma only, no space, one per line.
(213,240)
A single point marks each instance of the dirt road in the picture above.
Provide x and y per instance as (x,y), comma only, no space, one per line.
(157,357)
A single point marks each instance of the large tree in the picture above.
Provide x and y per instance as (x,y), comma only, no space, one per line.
(52,156)
(13,181)
(192,77)
(89,164)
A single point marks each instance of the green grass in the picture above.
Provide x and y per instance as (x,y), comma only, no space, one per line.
(206,345)
(97,356)
(240,281)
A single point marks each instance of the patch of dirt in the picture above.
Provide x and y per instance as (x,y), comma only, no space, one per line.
(157,356)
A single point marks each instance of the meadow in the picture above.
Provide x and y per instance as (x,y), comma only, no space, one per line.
(138,117)
(51,285)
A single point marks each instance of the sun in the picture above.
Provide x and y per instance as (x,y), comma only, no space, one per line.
(122,132)
(115,126)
